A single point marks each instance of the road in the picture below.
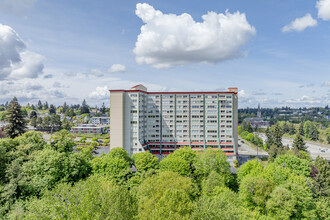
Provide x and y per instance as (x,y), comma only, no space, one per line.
(314,149)
(246,152)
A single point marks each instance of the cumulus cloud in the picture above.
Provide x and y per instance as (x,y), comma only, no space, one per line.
(48,76)
(60,85)
(32,86)
(100,93)
(19,7)
(168,40)
(323,7)
(117,68)
(300,24)
(306,100)
(27,91)
(15,61)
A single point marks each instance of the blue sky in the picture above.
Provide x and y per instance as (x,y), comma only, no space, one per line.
(69,48)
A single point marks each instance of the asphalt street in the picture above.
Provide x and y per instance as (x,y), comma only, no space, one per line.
(314,149)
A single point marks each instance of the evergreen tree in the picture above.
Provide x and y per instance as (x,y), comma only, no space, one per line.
(84,108)
(15,119)
(313,132)
(65,107)
(39,105)
(292,130)
(277,134)
(249,127)
(269,137)
(299,144)
(285,127)
(301,129)
(6,105)
(66,124)
(52,109)
(45,107)
(103,108)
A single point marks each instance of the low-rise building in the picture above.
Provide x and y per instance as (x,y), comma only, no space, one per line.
(88,129)
(100,121)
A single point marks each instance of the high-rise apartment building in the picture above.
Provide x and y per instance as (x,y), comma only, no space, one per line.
(161,122)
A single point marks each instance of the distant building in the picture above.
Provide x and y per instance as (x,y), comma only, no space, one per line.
(100,121)
(161,122)
(88,129)
(257,122)
(327,117)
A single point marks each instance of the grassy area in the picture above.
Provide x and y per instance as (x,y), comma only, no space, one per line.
(98,136)
(322,138)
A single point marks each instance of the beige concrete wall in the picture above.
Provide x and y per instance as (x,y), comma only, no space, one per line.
(117,119)
(127,123)
(236,121)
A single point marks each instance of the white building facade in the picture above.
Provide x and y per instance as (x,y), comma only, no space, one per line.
(162,122)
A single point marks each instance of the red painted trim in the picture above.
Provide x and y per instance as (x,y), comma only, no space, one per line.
(136,86)
(230,143)
(197,143)
(153,143)
(229,153)
(168,142)
(123,90)
(183,143)
(211,143)
(227,148)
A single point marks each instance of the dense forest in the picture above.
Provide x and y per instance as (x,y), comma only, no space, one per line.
(51,180)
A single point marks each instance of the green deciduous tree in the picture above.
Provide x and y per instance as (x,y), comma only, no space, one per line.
(62,141)
(225,205)
(96,198)
(281,204)
(175,164)
(14,117)
(295,164)
(145,161)
(174,201)
(212,160)
(254,191)
(322,179)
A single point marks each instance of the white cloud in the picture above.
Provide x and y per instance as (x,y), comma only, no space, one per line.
(32,86)
(323,7)
(300,24)
(97,72)
(326,83)
(100,93)
(117,68)
(168,40)
(15,61)
(18,7)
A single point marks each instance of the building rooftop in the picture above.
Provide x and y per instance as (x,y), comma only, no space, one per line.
(141,88)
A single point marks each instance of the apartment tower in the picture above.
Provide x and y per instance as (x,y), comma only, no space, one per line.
(161,122)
